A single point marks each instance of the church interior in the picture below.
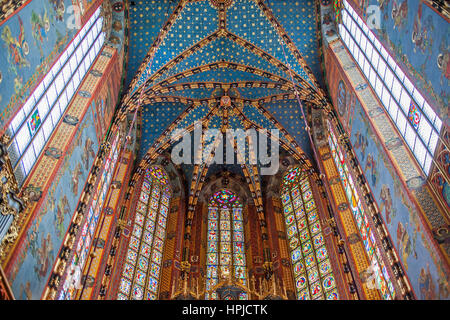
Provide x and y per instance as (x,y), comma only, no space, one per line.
(224,150)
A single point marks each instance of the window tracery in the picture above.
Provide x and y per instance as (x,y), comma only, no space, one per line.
(226,250)
(313,274)
(142,267)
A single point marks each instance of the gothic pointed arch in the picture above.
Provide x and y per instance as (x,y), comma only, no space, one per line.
(225,252)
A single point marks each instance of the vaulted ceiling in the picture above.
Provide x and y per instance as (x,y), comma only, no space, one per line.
(183,56)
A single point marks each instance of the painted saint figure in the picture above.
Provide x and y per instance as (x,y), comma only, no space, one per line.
(44,257)
(386,203)
(371,165)
(426,284)
(40,27)
(17,48)
(405,247)
(75,178)
(361,143)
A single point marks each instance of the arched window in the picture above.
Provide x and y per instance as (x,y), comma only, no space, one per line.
(142,268)
(225,254)
(380,274)
(312,270)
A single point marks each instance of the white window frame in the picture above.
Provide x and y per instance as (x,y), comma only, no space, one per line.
(393,88)
(58,87)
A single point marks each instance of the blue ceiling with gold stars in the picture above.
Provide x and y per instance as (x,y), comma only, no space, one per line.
(208,50)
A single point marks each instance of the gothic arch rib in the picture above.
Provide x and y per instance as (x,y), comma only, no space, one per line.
(222,31)
(240,41)
(160,90)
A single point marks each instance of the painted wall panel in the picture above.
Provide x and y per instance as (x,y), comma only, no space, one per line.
(419,37)
(423,266)
(30,42)
(31,270)
(105,100)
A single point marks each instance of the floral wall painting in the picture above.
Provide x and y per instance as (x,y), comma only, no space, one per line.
(342,99)
(17,48)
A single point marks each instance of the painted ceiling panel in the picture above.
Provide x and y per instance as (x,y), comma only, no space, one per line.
(298,19)
(258,118)
(255,115)
(223,49)
(146,19)
(288,113)
(234,122)
(223,75)
(216,122)
(247,93)
(193,93)
(256,93)
(196,114)
(248,21)
(196,21)
(155,119)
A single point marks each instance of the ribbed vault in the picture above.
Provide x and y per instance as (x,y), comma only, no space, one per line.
(259,56)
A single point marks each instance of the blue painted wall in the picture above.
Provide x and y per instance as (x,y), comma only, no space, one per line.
(420,38)
(30,41)
(32,268)
(423,266)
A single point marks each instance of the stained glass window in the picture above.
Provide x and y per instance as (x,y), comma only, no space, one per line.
(142,269)
(382,279)
(226,251)
(33,124)
(414,118)
(313,275)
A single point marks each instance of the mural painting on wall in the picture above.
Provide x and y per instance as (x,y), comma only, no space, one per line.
(40,26)
(351,110)
(420,261)
(442,156)
(419,37)
(83,5)
(117,29)
(343,98)
(17,48)
(29,273)
(30,42)
(104,103)
(98,123)
(328,21)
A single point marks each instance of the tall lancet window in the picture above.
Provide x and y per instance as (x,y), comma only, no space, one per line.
(312,270)
(377,265)
(142,268)
(225,256)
